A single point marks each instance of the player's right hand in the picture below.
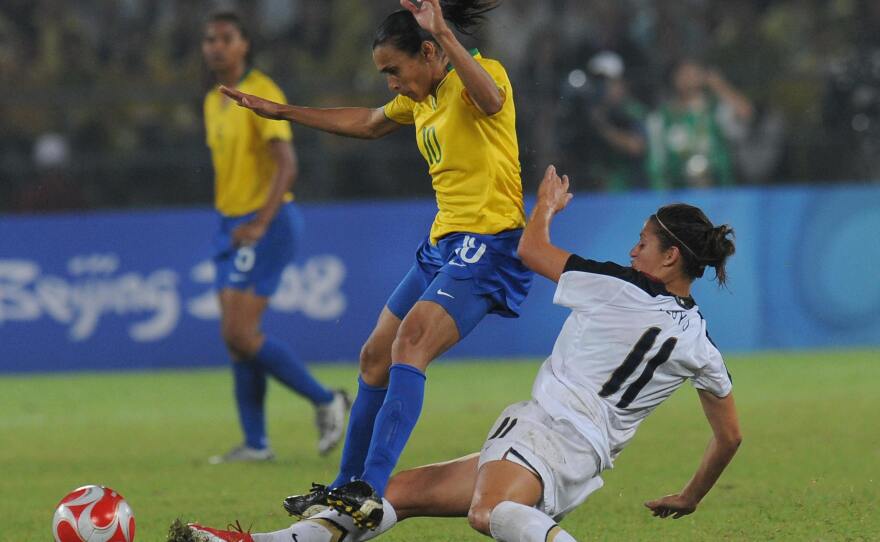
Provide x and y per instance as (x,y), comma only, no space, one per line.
(260,106)
(553,190)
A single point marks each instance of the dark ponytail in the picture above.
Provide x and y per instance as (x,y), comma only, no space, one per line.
(401,30)
(700,243)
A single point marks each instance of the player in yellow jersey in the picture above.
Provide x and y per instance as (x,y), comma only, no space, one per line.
(461,105)
(254,168)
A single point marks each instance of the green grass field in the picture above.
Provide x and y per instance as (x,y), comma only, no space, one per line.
(808,469)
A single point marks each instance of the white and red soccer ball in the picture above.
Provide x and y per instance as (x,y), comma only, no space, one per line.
(93,514)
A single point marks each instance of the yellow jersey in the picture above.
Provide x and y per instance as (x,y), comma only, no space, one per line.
(239,142)
(473,158)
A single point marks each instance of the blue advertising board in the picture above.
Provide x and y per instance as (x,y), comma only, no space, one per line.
(134,289)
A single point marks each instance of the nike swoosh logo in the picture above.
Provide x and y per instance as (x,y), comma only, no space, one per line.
(441,292)
(457,264)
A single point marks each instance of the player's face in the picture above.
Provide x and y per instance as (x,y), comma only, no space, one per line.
(223,46)
(407,75)
(648,256)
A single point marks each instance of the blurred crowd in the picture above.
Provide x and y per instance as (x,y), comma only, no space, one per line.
(102,101)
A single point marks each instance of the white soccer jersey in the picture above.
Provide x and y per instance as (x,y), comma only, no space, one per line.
(626,346)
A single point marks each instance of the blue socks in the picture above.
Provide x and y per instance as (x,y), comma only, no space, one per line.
(279,361)
(250,387)
(360,430)
(250,390)
(394,424)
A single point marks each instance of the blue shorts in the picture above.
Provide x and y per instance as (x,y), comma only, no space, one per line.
(257,267)
(469,275)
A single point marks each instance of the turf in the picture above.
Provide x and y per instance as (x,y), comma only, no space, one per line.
(808,469)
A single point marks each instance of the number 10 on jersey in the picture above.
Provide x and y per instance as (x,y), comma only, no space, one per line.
(432,145)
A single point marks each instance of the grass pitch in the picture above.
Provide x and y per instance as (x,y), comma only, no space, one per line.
(808,469)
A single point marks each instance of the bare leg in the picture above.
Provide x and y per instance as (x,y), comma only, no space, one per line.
(426,332)
(241,312)
(438,490)
(375,356)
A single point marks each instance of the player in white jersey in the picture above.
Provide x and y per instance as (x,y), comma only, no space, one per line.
(633,337)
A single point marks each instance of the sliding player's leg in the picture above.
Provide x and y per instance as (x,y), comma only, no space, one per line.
(438,490)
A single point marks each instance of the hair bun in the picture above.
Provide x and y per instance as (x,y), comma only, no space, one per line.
(719,245)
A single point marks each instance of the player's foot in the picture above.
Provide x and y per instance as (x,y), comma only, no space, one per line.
(193,532)
(330,419)
(306,506)
(243,454)
(358,500)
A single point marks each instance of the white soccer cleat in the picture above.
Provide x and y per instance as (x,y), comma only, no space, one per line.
(243,454)
(330,419)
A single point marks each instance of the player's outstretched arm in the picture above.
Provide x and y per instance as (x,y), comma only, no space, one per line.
(481,88)
(360,122)
(535,249)
(726,437)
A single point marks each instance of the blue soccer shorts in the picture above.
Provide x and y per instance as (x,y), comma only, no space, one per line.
(258,267)
(469,275)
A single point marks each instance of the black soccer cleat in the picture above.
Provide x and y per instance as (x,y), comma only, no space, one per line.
(358,500)
(306,506)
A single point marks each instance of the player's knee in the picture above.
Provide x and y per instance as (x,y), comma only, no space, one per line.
(374,363)
(478,517)
(242,343)
(407,344)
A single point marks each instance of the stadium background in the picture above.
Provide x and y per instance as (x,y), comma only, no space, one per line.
(105,224)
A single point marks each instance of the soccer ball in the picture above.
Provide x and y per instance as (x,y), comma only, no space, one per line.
(93,514)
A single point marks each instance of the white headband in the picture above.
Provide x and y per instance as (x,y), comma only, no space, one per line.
(680,242)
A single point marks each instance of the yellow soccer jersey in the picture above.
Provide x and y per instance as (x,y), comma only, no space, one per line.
(239,143)
(473,158)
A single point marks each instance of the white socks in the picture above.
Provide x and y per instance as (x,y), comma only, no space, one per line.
(513,522)
(330,526)
(509,522)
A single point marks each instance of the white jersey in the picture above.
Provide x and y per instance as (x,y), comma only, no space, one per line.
(627,345)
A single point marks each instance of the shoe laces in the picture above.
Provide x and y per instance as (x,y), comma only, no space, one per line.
(238,528)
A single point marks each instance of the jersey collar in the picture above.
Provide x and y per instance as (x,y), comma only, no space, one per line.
(449,69)
(474,53)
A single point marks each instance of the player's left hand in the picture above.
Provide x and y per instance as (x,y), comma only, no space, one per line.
(671,505)
(427,13)
(248,233)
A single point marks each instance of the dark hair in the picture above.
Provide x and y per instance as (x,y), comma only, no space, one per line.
(699,242)
(235,19)
(403,31)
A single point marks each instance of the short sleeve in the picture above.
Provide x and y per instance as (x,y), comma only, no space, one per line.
(585,284)
(272,129)
(400,110)
(713,376)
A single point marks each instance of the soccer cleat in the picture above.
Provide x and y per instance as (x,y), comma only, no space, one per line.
(330,419)
(306,506)
(359,501)
(243,454)
(193,532)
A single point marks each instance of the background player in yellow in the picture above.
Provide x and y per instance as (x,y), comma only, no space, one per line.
(461,106)
(259,228)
